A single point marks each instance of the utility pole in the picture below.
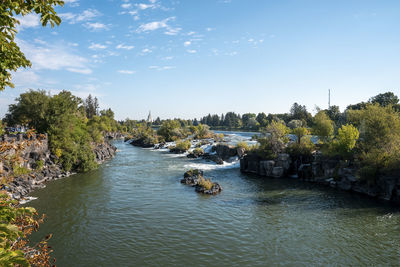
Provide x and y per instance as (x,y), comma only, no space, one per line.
(329,98)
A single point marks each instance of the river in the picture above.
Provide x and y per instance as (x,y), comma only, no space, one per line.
(133,211)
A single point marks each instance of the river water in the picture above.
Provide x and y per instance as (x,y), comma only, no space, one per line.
(133,211)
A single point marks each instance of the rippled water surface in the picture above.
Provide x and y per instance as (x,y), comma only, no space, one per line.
(133,211)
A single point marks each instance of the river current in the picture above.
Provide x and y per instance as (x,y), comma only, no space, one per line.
(133,211)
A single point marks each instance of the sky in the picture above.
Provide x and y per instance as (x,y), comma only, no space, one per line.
(188,58)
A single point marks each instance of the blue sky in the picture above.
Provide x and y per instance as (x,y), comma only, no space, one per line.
(189,58)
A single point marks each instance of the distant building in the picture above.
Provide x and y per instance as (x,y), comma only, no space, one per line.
(149,118)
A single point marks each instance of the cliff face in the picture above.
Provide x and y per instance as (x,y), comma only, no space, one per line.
(333,173)
(35,163)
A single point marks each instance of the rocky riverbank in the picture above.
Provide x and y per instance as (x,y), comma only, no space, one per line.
(39,165)
(329,172)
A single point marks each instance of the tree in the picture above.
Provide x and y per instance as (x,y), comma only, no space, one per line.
(299,112)
(323,126)
(31,109)
(273,140)
(345,141)
(262,119)
(384,100)
(334,114)
(300,132)
(11,57)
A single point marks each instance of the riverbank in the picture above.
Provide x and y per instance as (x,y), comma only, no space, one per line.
(38,165)
(328,172)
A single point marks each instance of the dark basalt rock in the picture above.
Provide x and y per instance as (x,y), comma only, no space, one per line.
(195,154)
(217,159)
(142,142)
(177,150)
(192,177)
(215,189)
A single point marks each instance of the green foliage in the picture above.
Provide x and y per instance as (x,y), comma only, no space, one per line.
(183,145)
(31,109)
(299,133)
(171,130)
(10,233)
(272,141)
(19,170)
(344,142)
(201,131)
(1,128)
(205,183)
(244,145)
(295,124)
(323,126)
(39,164)
(303,148)
(198,151)
(380,134)
(63,116)
(11,57)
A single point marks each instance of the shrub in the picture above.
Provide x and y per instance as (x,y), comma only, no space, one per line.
(206,183)
(20,170)
(198,151)
(183,145)
(303,149)
(344,142)
(243,144)
(39,165)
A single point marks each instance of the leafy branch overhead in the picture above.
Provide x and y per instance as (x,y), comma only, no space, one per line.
(11,56)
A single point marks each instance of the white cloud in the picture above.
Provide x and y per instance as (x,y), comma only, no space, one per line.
(187,43)
(127,71)
(25,78)
(126,47)
(28,21)
(95,46)
(209,29)
(126,5)
(56,56)
(86,15)
(96,26)
(145,6)
(192,51)
(72,3)
(172,31)
(82,71)
(162,68)
(146,50)
(155,25)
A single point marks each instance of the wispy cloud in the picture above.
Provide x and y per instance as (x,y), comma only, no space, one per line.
(162,24)
(28,21)
(126,47)
(96,26)
(162,67)
(191,51)
(95,46)
(127,72)
(57,56)
(187,43)
(86,15)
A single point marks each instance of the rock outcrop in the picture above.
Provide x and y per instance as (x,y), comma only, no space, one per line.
(329,172)
(204,186)
(38,164)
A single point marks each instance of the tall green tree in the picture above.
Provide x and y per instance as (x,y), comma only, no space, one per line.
(11,56)
(31,109)
(323,126)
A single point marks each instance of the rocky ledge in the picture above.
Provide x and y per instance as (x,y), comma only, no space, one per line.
(202,185)
(329,172)
(49,169)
